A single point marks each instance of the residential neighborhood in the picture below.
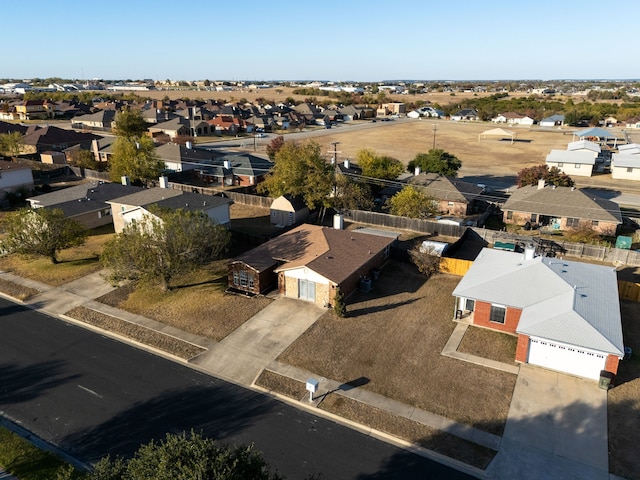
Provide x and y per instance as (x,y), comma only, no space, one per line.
(361,252)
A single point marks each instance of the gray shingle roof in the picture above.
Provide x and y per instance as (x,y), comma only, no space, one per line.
(562,202)
(566,301)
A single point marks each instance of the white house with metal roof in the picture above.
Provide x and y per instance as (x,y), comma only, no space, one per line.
(584,146)
(573,163)
(566,314)
(625,166)
(629,149)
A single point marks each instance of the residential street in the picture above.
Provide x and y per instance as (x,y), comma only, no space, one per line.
(91,395)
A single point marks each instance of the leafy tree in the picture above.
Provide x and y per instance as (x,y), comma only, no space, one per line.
(135,158)
(378,166)
(41,231)
(82,159)
(427,261)
(164,245)
(300,170)
(351,195)
(411,202)
(130,124)
(11,143)
(552,176)
(436,161)
(274,146)
(186,457)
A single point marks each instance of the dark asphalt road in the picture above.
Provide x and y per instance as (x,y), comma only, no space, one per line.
(91,395)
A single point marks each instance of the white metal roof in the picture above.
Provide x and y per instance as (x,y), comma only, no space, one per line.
(584,145)
(567,156)
(571,302)
(629,149)
(625,160)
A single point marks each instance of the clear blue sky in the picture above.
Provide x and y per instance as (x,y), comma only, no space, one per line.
(361,40)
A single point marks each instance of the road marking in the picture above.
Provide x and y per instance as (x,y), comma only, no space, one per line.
(90,391)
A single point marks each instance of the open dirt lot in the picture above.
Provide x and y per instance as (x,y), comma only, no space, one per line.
(393,337)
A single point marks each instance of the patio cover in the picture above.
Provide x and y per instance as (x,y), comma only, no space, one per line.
(498,132)
(599,133)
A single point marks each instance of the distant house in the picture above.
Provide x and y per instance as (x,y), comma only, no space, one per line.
(101,120)
(33,110)
(287,210)
(573,163)
(465,115)
(176,127)
(566,314)
(180,158)
(633,122)
(625,166)
(513,118)
(552,121)
(41,139)
(135,206)
(310,263)
(88,203)
(453,196)
(561,208)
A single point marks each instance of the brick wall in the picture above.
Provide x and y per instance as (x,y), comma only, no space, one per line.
(522,349)
(482,313)
(612,364)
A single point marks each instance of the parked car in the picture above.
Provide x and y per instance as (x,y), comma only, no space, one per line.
(261,135)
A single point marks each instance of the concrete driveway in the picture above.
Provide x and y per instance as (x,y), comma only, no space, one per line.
(556,428)
(243,354)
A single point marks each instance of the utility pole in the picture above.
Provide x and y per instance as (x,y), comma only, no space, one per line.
(435,129)
(335,152)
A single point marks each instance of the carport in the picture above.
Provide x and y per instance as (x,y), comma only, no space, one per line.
(498,132)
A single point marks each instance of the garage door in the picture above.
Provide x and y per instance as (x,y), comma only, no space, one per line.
(566,358)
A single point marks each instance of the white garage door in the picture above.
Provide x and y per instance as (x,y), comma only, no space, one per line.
(566,358)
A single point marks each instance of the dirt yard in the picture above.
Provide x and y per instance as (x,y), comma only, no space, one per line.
(393,337)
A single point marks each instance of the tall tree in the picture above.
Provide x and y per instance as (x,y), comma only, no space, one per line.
(351,195)
(164,245)
(41,231)
(411,202)
(552,176)
(135,158)
(436,161)
(185,457)
(300,170)
(378,166)
(130,124)
(11,143)
(274,146)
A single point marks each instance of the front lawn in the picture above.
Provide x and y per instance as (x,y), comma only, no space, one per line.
(393,337)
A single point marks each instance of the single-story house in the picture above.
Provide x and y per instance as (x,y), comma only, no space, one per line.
(552,121)
(101,120)
(625,166)
(310,263)
(578,163)
(633,122)
(180,158)
(585,146)
(561,208)
(88,203)
(287,210)
(466,114)
(566,314)
(452,196)
(136,206)
(629,149)
(513,118)
(40,139)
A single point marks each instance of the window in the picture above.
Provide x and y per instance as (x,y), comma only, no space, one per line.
(577,165)
(573,222)
(244,278)
(387,251)
(236,278)
(534,217)
(509,215)
(594,223)
(251,284)
(498,313)
(560,164)
(450,204)
(629,169)
(470,304)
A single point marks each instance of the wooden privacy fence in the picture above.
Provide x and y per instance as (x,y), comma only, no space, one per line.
(629,291)
(237,197)
(404,223)
(454,266)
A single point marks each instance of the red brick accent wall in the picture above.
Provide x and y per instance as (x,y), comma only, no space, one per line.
(482,312)
(522,349)
(612,364)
